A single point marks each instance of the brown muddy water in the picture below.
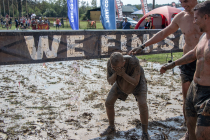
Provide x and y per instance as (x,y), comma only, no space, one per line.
(65,100)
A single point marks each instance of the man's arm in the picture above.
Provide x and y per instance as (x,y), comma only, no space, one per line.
(187,58)
(133,80)
(111,77)
(173,27)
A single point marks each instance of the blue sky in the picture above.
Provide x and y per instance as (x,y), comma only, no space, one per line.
(125,2)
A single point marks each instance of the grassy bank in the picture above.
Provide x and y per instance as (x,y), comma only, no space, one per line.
(161,58)
(83,25)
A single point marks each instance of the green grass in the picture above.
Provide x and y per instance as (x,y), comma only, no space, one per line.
(161,58)
(83,25)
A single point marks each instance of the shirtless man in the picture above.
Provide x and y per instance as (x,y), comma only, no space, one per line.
(127,76)
(197,105)
(184,21)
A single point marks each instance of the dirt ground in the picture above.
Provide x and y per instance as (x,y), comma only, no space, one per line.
(65,100)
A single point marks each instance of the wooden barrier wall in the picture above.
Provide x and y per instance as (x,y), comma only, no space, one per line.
(22,47)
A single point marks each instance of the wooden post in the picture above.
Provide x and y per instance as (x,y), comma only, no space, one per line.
(66,23)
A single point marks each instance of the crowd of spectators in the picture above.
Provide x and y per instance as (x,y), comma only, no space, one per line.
(26,22)
(7,22)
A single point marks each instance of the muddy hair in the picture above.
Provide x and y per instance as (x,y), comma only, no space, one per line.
(115,58)
(203,8)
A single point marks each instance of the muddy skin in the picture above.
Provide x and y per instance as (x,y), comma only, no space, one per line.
(65,100)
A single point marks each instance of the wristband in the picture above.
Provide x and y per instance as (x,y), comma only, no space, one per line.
(143,46)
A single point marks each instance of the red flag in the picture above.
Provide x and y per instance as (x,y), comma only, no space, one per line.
(118,5)
(144,6)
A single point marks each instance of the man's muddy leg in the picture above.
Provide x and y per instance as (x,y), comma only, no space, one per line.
(143,109)
(110,101)
(191,125)
(185,87)
(202,132)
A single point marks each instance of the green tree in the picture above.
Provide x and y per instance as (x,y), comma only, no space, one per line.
(64,8)
(94,3)
(50,13)
(19,8)
(82,8)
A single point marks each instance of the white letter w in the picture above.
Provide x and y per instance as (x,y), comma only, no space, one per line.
(43,46)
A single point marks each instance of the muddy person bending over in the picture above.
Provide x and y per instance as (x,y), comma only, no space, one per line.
(197,104)
(127,76)
(184,21)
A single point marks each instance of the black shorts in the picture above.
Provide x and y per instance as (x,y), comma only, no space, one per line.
(57,25)
(196,96)
(187,71)
(115,90)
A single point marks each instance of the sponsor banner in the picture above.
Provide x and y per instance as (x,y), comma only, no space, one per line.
(73,14)
(118,5)
(22,47)
(108,14)
(43,27)
(144,6)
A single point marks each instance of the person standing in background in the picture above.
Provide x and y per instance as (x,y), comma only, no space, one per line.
(57,23)
(126,24)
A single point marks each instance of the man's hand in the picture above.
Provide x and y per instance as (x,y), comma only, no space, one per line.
(206,108)
(165,67)
(136,50)
(120,71)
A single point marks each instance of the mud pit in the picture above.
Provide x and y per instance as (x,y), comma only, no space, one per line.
(65,100)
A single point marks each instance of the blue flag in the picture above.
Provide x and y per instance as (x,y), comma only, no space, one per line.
(73,14)
(108,14)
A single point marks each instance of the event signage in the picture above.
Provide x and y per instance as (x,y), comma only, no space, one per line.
(43,27)
(73,14)
(118,5)
(144,6)
(19,47)
(108,14)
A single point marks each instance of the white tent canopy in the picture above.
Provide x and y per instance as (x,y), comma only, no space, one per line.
(181,8)
(139,12)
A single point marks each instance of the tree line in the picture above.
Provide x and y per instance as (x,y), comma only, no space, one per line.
(48,8)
